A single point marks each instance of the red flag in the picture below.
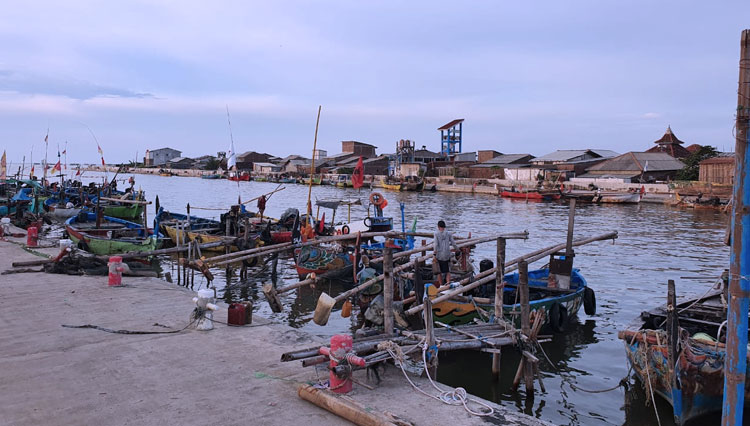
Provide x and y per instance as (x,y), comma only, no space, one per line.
(103,163)
(56,168)
(78,172)
(358,176)
(322,223)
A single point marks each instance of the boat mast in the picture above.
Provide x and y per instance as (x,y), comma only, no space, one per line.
(312,168)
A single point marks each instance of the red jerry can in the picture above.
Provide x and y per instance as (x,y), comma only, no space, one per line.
(32,236)
(236,314)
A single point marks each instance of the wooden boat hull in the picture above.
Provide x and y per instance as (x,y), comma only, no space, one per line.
(196,237)
(391,186)
(319,260)
(240,178)
(99,241)
(699,369)
(413,186)
(531,195)
(132,211)
(210,176)
(619,198)
(458,312)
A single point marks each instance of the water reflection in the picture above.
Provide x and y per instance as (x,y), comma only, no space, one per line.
(655,244)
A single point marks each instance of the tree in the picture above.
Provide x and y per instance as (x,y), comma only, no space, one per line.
(690,171)
(212,164)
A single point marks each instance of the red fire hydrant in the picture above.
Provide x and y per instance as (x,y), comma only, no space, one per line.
(115,270)
(342,359)
(32,236)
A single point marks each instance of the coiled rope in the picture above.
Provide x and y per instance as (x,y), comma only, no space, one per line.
(455,396)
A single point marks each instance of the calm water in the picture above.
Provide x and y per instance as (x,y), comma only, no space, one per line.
(655,244)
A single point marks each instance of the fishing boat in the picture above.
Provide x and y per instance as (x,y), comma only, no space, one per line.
(692,339)
(391,185)
(239,176)
(558,305)
(211,176)
(335,261)
(532,194)
(165,173)
(111,236)
(288,180)
(316,180)
(344,181)
(630,197)
(412,183)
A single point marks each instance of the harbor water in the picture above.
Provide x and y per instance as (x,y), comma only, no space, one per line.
(655,243)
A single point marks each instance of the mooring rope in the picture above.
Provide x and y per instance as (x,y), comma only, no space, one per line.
(455,396)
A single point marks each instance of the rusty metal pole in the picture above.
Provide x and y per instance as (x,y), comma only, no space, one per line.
(388,289)
(739,269)
(499,288)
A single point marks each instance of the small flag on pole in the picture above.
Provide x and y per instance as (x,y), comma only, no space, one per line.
(100,150)
(57,168)
(358,176)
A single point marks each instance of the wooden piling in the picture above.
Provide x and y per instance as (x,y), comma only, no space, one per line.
(672,329)
(388,289)
(499,288)
(523,288)
(429,328)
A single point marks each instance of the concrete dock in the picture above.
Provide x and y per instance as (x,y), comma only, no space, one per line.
(230,375)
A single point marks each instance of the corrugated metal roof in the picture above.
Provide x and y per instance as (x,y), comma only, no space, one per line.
(507,158)
(636,161)
(451,124)
(567,154)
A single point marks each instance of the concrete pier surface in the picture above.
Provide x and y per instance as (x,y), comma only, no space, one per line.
(230,375)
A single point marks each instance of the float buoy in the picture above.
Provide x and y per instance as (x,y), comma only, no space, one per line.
(558,317)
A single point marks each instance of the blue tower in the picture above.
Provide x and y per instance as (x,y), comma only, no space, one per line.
(451,137)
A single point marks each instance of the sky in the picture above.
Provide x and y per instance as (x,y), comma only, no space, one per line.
(528,77)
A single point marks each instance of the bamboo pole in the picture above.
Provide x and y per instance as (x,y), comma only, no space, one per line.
(523,288)
(429,331)
(346,408)
(312,168)
(388,290)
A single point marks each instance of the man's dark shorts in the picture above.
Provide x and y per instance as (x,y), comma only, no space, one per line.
(444,266)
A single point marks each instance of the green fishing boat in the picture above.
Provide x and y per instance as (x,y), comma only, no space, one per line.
(133,211)
(111,236)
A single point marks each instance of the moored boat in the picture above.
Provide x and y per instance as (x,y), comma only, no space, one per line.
(693,343)
(111,236)
(533,194)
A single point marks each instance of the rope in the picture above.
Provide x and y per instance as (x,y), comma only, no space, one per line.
(456,396)
(109,330)
(570,380)
(650,386)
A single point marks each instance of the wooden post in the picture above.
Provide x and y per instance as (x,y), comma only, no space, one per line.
(499,288)
(179,254)
(98,211)
(388,289)
(418,284)
(523,288)
(672,329)
(571,221)
(429,332)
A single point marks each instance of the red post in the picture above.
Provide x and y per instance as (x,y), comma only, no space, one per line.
(340,351)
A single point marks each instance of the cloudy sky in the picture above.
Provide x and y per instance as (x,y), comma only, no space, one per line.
(527,76)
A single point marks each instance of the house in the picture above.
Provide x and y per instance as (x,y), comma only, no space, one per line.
(426,156)
(180,163)
(496,167)
(636,167)
(202,161)
(296,165)
(320,154)
(571,162)
(375,166)
(487,154)
(358,148)
(671,145)
(160,157)
(246,160)
(719,169)
(265,168)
